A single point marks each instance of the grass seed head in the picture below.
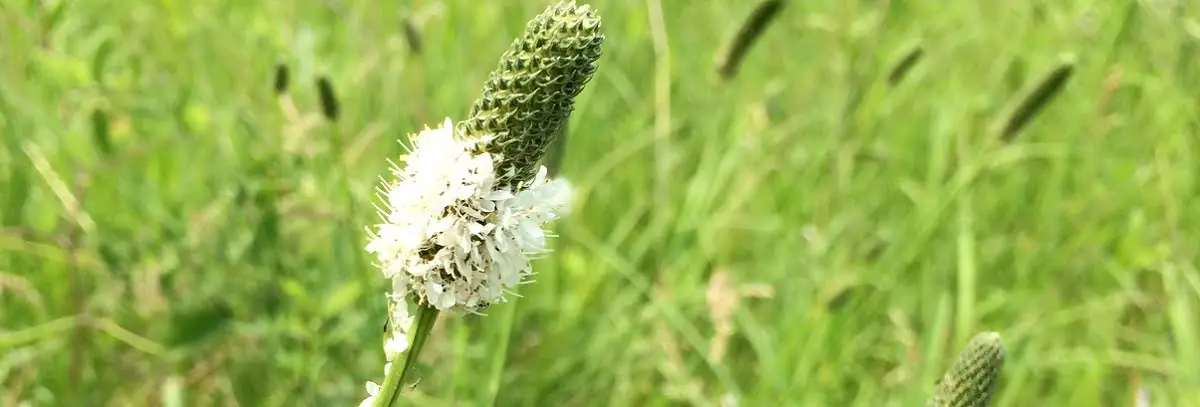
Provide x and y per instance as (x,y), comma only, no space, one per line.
(746,35)
(329,102)
(905,64)
(281,78)
(1037,100)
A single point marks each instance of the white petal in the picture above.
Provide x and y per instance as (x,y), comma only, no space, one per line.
(396,344)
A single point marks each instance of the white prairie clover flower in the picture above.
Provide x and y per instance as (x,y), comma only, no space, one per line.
(451,238)
(396,328)
(464,215)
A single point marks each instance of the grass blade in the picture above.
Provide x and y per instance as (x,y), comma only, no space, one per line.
(412,36)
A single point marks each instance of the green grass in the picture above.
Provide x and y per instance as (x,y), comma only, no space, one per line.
(201,244)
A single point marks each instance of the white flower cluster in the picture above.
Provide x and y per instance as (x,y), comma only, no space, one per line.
(450,236)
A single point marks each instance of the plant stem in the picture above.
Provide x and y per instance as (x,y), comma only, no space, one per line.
(390,391)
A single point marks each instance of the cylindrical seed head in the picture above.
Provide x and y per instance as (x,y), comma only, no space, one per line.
(529,96)
(972,379)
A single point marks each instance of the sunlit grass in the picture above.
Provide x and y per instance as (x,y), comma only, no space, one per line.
(805,233)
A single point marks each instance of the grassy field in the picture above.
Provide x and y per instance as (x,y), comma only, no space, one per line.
(807,233)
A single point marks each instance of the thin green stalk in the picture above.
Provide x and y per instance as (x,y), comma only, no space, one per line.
(331,110)
(508,312)
(967,272)
(36,333)
(390,391)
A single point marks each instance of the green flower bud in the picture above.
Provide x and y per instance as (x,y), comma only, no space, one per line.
(972,379)
(527,99)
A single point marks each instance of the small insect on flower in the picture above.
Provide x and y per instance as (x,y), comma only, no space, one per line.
(390,327)
(395,328)
(387,321)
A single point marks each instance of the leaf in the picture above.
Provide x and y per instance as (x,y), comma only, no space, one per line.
(295,291)
(193,325)
(100,131)
(100,59)
(16,195)
(342,298)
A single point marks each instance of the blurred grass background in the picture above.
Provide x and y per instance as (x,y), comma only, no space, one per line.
(806,234)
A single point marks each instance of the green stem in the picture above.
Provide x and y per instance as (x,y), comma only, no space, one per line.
(47,330)
(508,312)
(390,391)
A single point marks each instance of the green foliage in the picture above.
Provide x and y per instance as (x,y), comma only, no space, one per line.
(807,234)
(192,324)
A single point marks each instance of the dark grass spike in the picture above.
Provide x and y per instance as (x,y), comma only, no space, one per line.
(971,381)
(101,58)
(101,134)
(412,36)
(737,47)
(905,65)
(50,19)
(849,294)
(1049,87)
(282,78)
(329,101)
